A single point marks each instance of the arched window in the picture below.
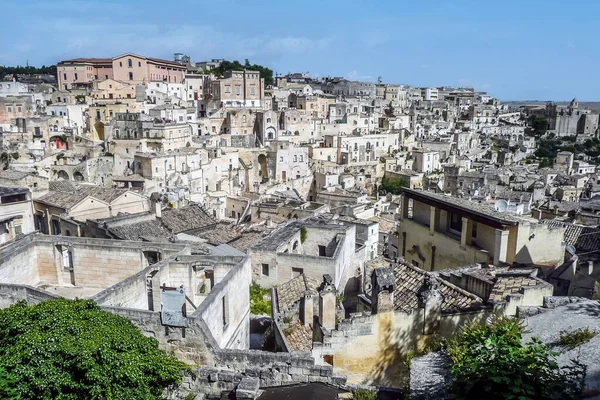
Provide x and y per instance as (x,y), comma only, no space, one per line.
(129,63)
(131,76)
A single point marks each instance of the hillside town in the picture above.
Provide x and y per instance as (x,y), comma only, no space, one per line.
(273,230)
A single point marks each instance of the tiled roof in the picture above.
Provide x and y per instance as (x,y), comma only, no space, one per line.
(220,234)
(246,240)
(68,199)
(506,285)
(299,337)
(385,225)
(13,175)
(292,291)
(88,60)
(409,281)
(187,219)
(583,238)
(61,186)
(140,230)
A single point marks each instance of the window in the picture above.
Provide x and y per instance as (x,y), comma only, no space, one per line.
(296,272)
(131,76)
(238,90)
(75,75)
(225,305)
(9,109)
(322,251)
(139,63)
(66,258)
(265,269)
(252,91)
(120,64)
(455,223)
(65,77)
(227,89)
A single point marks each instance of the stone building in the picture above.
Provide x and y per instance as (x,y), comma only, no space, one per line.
(236,89)
(16,213)
(129,67)
(439,232)
(129,277)
(325,247)
(66,207)
(572,120)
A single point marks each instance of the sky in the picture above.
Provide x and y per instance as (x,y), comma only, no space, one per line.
(514,50)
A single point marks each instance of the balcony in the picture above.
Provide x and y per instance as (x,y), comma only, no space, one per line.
(440,249)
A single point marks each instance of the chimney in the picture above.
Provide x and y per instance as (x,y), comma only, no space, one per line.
(590,267)
(382,283)
(307,308)
(431,299)
(158,209)
(327,305)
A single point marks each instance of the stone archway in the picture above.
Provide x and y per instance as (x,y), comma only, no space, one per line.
(62,175)
(78,176)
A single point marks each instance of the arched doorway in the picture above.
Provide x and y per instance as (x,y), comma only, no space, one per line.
(78,177)
(262,162)
(99,127)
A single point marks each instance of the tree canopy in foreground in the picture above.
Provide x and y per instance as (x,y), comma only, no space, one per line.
(71,349)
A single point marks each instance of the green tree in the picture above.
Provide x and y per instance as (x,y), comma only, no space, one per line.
(71,349)
(491,362)
(7,70)
(265,73)
(538,125)
(258,304)
(393,185)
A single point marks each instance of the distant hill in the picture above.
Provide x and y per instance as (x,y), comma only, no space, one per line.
(592,105)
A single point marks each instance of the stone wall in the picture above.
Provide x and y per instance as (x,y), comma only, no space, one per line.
(36,260)
(226,310)
(193,344)
(270,369)
(18,262)
(11,294)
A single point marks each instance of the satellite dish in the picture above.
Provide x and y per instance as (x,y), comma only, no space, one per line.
(501,205)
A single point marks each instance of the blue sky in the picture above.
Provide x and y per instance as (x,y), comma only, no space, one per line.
(516,50)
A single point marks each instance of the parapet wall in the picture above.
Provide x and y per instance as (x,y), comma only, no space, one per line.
(271,369)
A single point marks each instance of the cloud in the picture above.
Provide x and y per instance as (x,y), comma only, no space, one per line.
(102,37)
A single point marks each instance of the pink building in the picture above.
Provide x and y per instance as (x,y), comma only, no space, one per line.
(128,67)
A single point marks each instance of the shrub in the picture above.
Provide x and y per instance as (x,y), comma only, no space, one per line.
(303,234)
(258,304)
(7,385)
(364,394)
(490,362)
(393,185)
(71,349)
(576,338)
